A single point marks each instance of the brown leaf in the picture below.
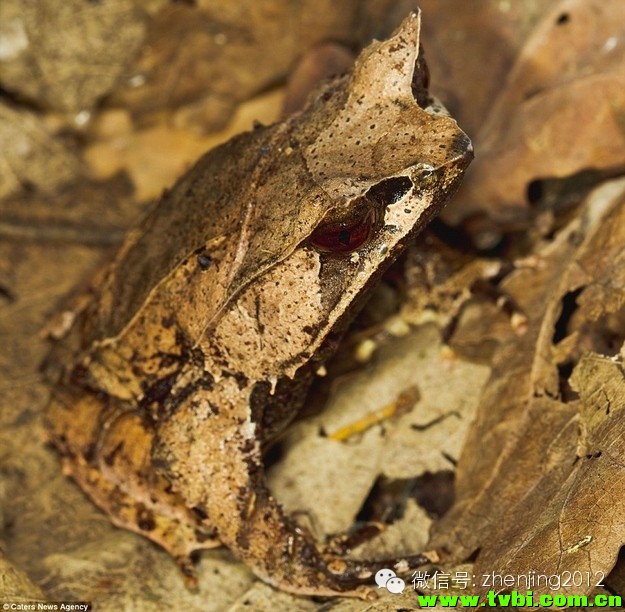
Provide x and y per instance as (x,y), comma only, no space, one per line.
(117,144)
(538,86)
(66,55)
(15,585)
(232,51)
(471,47)
(537,482)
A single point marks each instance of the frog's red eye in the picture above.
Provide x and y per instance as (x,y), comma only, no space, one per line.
(346,234)
(343,237)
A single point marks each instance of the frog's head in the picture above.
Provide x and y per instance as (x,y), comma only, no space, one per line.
(381,157)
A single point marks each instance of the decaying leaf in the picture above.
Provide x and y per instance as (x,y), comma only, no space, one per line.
(234,50)
(66,55)
(539,480)
(436,424)
(119,146)
(558,108)
(471,47)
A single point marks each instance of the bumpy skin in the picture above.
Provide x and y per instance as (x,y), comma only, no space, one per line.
(196,345)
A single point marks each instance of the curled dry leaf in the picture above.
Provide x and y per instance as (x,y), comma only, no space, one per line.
(66,55)
(539,482)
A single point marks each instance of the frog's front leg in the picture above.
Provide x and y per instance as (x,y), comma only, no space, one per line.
(212,456)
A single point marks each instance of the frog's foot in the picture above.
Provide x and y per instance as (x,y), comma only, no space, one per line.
(338,547)
(361,571)
(352,574)
(284,555)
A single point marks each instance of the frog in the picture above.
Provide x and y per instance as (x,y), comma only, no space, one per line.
(195,346)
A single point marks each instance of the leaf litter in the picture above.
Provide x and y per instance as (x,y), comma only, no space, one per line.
(518,370)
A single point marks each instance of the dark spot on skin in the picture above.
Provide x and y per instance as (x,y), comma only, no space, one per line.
(204,260)
(199,512)
(247,447)
(145,519)
(563,18)
(157,392)
(241,379)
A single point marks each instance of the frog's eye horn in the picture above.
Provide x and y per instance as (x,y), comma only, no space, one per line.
(344,235)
